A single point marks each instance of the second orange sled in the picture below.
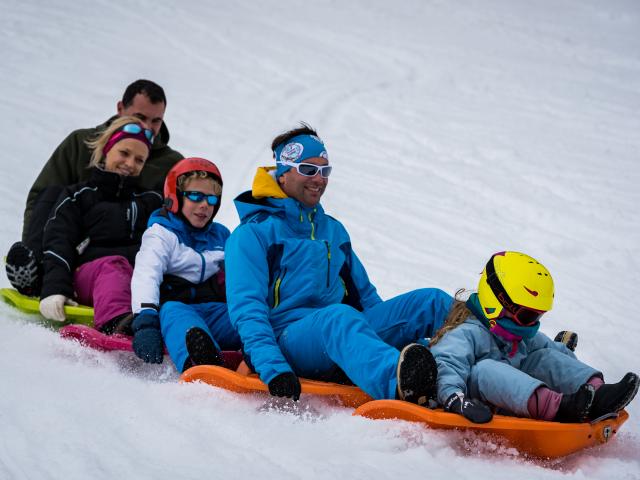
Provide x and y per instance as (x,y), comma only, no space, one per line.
(536,438)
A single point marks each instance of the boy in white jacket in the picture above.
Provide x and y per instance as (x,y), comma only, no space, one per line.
(178,281)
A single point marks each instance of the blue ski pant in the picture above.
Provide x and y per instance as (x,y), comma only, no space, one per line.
(177,318)
(365,345)
(510,388)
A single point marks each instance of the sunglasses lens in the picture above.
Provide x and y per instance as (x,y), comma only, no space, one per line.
(307,169)
(325,171)
(213,199)
(194,196)
(149,134)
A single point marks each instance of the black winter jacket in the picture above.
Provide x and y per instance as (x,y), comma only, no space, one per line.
(103,216)
(69,162)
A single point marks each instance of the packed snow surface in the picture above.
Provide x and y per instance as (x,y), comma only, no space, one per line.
(456,129)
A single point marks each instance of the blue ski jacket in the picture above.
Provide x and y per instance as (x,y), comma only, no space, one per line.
(284,261)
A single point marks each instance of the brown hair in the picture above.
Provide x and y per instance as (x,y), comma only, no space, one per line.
(457,315)
(98,143)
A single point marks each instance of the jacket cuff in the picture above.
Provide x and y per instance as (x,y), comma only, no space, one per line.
(146,319)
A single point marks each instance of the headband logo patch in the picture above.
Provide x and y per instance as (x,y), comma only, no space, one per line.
(291,152)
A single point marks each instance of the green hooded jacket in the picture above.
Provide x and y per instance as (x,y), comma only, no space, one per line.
(69,164)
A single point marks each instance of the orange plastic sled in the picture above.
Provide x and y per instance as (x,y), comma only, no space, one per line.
(237,382)
(536,438)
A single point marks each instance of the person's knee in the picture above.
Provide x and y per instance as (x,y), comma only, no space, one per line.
(170,308)
(338,316)
(115,263)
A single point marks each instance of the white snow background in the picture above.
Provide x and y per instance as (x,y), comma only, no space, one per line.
(456,129)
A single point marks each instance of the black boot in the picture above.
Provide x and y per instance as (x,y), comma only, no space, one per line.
(23,269)
(613,397)
(120,325)
(574,408)
(417,374)
(202,350)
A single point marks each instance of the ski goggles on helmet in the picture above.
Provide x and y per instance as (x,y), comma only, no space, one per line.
(197,197)
(524,316)
(308,169)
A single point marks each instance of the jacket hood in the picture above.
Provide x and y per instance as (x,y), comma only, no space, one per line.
(267,197)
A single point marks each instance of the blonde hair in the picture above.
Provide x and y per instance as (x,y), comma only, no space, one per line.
(187,177)
(98,143)
(457,315)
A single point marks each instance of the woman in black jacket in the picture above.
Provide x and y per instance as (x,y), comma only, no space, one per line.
(94,232)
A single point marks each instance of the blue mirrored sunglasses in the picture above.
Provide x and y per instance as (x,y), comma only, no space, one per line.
(198,197)
(134,129)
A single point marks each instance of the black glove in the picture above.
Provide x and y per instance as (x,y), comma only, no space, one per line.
(285,385)
(147,339)
(569,338)
(473,410)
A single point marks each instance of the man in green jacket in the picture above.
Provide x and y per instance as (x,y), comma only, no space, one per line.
(68,165)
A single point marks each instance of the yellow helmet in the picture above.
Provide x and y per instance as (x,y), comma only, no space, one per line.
(515,283)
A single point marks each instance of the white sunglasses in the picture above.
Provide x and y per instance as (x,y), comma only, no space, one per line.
(308,169)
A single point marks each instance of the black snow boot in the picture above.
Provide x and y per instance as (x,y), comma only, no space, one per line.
(22,269)
(613,397)
(122,325)
(201,349)
(417,374)
(574,408)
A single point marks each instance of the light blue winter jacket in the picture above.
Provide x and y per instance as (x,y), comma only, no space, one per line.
(285,261)
(466,345)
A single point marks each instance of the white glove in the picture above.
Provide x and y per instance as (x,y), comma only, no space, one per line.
(52,307)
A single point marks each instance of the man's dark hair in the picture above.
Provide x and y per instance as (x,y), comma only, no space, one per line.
(303,129)
(152,90)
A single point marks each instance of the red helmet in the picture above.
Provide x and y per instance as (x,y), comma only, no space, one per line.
(187,165)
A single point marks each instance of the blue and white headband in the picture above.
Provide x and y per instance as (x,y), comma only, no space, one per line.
(298,149)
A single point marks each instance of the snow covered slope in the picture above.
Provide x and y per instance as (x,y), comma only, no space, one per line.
(456,129)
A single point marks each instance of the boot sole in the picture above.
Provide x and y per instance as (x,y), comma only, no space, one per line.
(201,349)
(423,361)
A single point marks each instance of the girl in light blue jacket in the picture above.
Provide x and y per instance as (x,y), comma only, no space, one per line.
(490,353)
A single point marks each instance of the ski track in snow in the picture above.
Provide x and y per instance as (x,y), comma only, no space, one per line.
(456,131)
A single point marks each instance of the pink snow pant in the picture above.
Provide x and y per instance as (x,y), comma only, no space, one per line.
(105,284)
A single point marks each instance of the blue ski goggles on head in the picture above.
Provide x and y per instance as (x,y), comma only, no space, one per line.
(197,197)
(134,129)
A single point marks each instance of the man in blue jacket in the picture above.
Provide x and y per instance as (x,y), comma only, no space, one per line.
(301,299)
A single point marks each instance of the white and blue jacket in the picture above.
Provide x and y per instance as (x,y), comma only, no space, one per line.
(172,247)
